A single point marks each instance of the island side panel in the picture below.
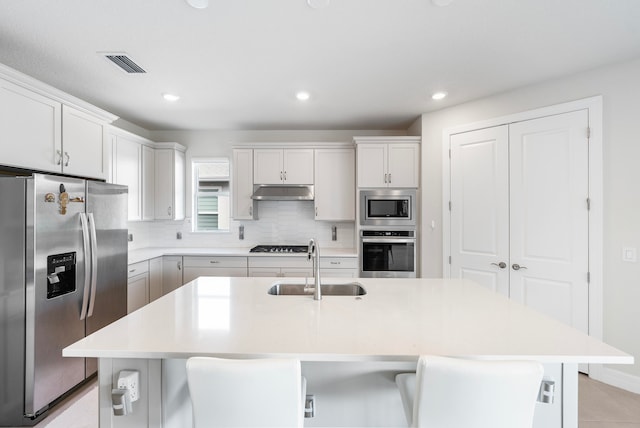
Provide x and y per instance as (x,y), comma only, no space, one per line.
(147,411)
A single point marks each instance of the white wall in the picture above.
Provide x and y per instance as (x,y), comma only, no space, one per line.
(278,223)
(620,87)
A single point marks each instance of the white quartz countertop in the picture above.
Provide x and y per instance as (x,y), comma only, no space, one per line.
(397,320)
(142,254)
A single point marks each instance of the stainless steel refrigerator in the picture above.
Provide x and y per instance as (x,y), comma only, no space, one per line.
(63,260)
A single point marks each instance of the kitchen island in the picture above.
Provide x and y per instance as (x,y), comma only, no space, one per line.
(351,347)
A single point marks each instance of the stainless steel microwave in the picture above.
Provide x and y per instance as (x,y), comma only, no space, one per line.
(388,207)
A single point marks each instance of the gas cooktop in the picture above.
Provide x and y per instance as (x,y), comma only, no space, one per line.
(279,249)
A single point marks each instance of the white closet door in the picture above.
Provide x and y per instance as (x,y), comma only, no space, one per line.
(549,216)
(480,207)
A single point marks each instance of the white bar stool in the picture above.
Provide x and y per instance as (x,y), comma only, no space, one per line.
(246,393)
(458,393)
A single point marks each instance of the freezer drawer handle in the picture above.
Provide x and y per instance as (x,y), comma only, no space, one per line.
(86,251)
(94,263)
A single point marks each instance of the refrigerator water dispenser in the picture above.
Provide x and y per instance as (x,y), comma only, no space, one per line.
(61,274)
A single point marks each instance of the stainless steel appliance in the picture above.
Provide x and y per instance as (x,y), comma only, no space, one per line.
(63,259)
(387,253)
(388,207)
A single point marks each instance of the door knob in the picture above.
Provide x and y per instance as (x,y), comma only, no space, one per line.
(516,266)
(501,265)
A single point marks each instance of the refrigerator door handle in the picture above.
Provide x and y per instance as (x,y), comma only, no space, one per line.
(94,263)
(87,275)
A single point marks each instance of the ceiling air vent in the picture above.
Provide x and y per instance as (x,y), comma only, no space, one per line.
(125,63)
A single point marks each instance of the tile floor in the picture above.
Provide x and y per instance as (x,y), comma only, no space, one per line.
(600,406)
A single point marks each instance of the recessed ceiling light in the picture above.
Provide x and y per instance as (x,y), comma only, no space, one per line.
(318,4)
(170,97)
(439,95)
(198,4)
(303,96)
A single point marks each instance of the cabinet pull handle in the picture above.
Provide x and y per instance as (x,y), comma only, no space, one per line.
(59,161)
(501,265)
(516,266)
(251,210)
(385,178)
(335,263)
(280,175)
(66,154)
(132,270)
(214,261)
(389,178)
(285,176)
(169,210)
(179,265)
(316,211)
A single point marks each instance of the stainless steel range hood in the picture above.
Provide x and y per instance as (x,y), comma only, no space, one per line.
(268,192)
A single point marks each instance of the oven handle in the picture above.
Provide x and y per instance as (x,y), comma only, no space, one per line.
(389,240)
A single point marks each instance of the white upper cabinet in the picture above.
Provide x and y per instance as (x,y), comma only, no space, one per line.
(388,162)
(47,130)
(242,207)
(84,144)
(31,129)
(335,184)
(169,181)
(128,171)
(283,166)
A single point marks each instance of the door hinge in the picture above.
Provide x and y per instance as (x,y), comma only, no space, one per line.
(588,204)
(588,277)
(588,132)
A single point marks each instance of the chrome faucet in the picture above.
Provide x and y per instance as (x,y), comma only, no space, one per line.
(314,251)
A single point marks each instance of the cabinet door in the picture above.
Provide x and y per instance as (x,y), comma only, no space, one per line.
(403,165)
(31,131)
(171,273)
(264,272)
(335,186)
(155,278)
(268,166)
(84,144)
(127,172)
(298,166)
(148,180)
(137,292)
(296,272)
(372,165)
(169,184)
(242,185)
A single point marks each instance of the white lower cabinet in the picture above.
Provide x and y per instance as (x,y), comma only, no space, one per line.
(282,266)
(339,267)
(155,278)
(171,273)
(137,285)
(195,266)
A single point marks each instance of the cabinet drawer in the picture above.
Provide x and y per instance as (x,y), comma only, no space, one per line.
(338,263)
(219,261)
(137,268)
(280,262)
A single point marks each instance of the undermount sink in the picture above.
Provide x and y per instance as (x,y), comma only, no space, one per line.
(344,289)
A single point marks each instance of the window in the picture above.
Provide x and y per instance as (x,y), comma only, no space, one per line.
(211,195)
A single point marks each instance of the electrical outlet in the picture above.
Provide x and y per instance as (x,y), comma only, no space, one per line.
(130,380)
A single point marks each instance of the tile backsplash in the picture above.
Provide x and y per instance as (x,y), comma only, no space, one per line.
(280,222)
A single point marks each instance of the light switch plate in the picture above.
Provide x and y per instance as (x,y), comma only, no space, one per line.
(629,254)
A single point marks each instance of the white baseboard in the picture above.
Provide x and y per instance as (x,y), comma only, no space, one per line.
(615,378)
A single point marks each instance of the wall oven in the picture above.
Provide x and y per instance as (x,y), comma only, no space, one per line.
(387,253)
(388,207)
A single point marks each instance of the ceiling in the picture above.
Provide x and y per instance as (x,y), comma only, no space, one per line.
(368,64)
